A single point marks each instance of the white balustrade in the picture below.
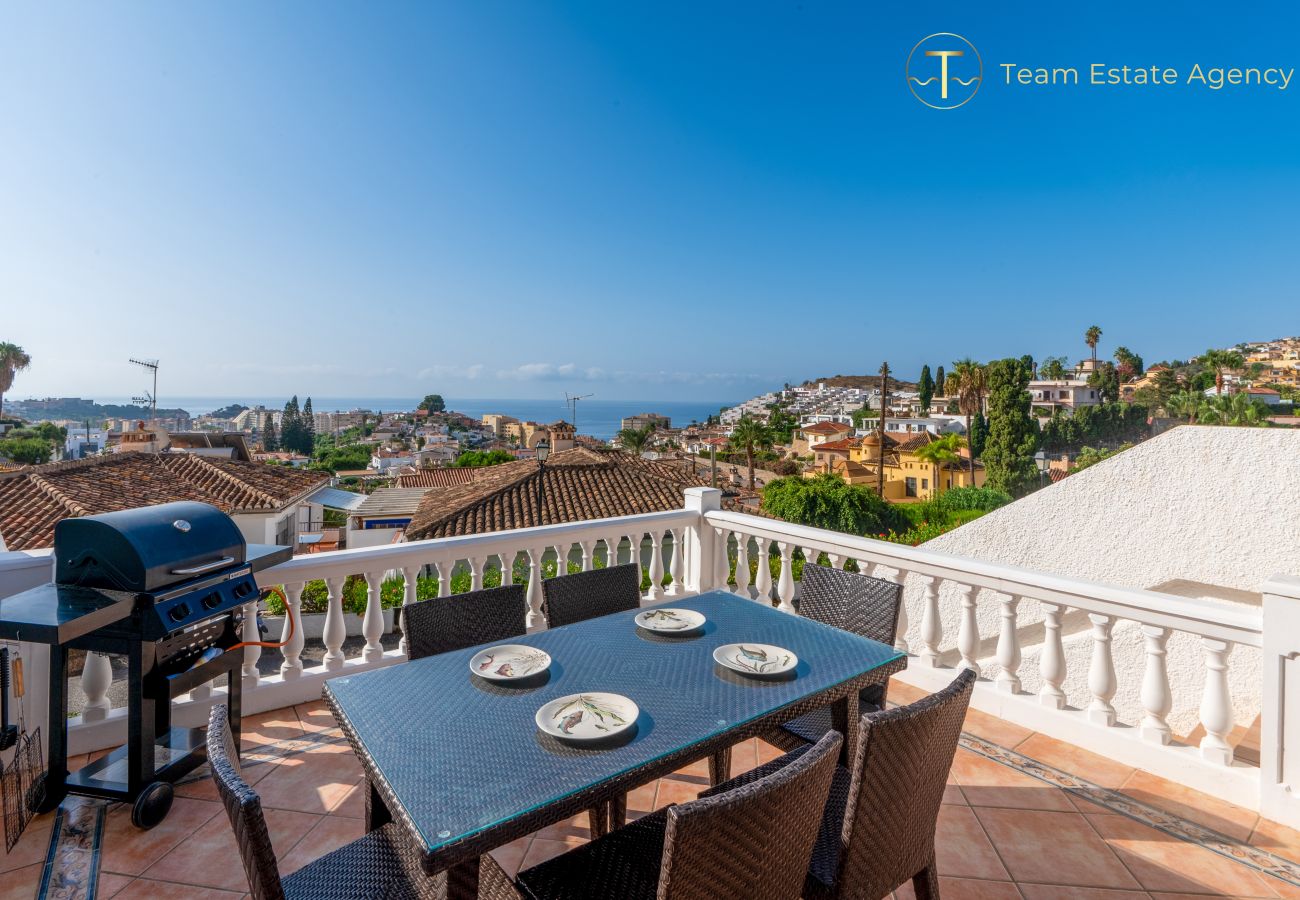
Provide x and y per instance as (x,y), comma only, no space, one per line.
(742,565)
(893,576)
(1101,672)
(476,573)
(372,623)
(656,566)
(1008,645)
(968,635)
(96,679)
(677,566)
(1216,703)
(1156,697)
(588,555)
(1051,665)
(763,577)
(785,585)
(931,624)
(721,561)
(534,619)
(292,636)
(252,653)
(410,595)
(335,630)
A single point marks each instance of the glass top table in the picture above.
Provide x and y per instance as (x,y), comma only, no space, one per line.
(460,762)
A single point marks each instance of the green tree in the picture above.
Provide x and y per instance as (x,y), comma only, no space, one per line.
(31,450)
(1105,380)
(433,403)
(475,459)
(1234,409)
(270,440)
(635,440)
(748,436)
(1013,435)
(1128,363)
(946,451)
(859,416)
(308,429)
(979,435)
(970,389)
(940,383)
(1186,404)
(925,387)
(825,501)
(1053,368)
(12,361)
(291,432)
(1092,337)
(1217,361)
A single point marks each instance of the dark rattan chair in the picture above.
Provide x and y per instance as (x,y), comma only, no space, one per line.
(586,595)
(464,620)
(384,863)
(752,843)
(878,830)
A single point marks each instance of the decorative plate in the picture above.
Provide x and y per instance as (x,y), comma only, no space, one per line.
(509,662)
(670,621)
(592,716)
(755,659)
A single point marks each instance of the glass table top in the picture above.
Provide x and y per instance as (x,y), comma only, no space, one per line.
(462,754)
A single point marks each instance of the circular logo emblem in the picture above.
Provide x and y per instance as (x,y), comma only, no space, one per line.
(181,525)
(944,70)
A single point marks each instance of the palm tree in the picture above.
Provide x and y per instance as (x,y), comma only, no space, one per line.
(749,435)
(1234,409)
(1091,337)
(635,440)
(972,384)
(944,451)
(12,361)
(1187,403)
(884,411)
(1218,360)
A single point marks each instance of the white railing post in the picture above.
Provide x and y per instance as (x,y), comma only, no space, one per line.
(898,577)
(1279,750)
(534,620)
(1051,665)
(411,584)
(742,565)
(291,666)
(700,575)
(476,564)
(372,623)
(785,584)
(507,559)
(1216,703)
(931,625)
(96,679)
(252,653)
(1008,645)
(722,557)
(588,558)
(335,631)
(1101,671)
(763,577)
(968,633)
(656,565)
(445,569)
(676,566)
(1156,698)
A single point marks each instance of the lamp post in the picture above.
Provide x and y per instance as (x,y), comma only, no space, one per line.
(543,451)
(1040,460)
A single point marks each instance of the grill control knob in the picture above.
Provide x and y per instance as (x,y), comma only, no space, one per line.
(212,601)
(243,589)
(179,612)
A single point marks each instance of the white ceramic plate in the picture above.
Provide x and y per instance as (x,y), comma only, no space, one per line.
(762,660)
(670,621)
(509,662)
(590,716)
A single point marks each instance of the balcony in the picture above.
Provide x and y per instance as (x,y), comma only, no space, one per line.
(1125,741)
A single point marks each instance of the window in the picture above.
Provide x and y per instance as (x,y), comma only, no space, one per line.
(910,486)
(925,484)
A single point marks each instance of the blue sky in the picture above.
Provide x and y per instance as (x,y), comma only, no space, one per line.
(646,201)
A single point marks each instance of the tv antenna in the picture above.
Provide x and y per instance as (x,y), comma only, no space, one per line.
(572,403)
(149,399)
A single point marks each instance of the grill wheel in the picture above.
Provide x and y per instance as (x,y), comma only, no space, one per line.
(152,806)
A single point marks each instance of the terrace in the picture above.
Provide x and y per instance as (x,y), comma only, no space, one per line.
(1058,789)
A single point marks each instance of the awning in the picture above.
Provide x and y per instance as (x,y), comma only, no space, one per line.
(334,498)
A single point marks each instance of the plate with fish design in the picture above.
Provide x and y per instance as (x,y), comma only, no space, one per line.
(670,621)
(509,662)
(590,716)
(760,660)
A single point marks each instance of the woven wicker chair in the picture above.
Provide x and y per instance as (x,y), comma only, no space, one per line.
(586,595)
(878,829)
(464,620)
(384,863)
(718,848)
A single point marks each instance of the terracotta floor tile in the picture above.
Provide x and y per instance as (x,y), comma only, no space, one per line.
(1053,848)
(962,848)
(995,730)
(673,791)
(1225,818)
(269,728)
(641,800)
(146,889)
(902,693)
(540,850)
(129,851)
(1062,892)
(208,857)
(1165,895)
(573,827)
(1163,863)
(327,835)
(975,889)
(952,794)
(316,717)
(1075,760)
(31,847)
(1277,839)
(314,781)
(204,788)
(1283,889)
(353,804)
(744,756)
(987,783)
(21,883)
(766,752)
(699,769)
(512,855)
(110,885)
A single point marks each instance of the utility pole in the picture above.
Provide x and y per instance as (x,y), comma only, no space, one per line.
(884,403)
(152,366)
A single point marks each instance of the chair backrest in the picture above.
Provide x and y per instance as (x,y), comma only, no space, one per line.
(851,601)
(575,598)
(244,809)
(902,764)
(754,841)
(463,620)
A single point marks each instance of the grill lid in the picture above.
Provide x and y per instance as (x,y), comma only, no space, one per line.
(146,549)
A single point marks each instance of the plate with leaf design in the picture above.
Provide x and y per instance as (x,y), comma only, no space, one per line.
(509,662)
(590,716)
(760,660)
(670,621)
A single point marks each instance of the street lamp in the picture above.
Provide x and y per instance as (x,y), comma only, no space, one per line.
(543,451)
(1040,459)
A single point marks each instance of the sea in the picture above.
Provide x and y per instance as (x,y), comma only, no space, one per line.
(596,417)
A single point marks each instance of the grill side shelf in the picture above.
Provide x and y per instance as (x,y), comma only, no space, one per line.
(57,614)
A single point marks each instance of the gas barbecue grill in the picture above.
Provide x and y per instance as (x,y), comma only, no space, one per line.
(164,586)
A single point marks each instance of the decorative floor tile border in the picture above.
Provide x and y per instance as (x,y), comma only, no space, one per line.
(72,862)
(1175,826)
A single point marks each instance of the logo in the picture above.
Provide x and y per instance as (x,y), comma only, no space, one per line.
(944,70)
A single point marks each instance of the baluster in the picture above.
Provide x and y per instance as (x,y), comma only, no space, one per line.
(656,565)
(968,631)
(893,576)
(1051,665)
(445,570)
(611,551)
(1216,703)
(835,560)
(931,626)
(96,679)
(763,577)
(1156,697)
(785,585)
(372,623)
(1101,672)
(411,577)
(1009,645)
(535,621)
(335,631)
(507,567)
(291,666)
(476,573)
(676,565)
(742,565)
(721,559)
(588,554)
(252,653)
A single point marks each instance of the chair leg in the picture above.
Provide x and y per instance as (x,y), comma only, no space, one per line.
(925,883)
(598,821)
(377,814)
(618,812)
(719,767)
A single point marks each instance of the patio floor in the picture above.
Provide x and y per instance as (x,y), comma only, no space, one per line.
(1025,816)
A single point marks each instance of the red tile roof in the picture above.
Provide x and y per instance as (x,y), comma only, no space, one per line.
(827,428)
(440,477)
(842,446)
(34,498)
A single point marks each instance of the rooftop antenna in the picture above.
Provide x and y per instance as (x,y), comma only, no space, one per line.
(149,398)
(572,403)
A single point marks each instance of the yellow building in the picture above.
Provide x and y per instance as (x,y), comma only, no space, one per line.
(907,476)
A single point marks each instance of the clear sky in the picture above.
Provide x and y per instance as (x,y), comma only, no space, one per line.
(659,200)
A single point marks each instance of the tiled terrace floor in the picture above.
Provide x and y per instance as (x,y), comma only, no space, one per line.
(1003,832)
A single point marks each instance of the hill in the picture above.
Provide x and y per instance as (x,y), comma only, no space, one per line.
(865,382)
